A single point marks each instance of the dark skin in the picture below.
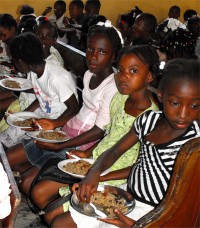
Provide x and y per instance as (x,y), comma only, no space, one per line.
(71,103)
(99,59)
(140,30)
(132,79)
(58,10)
(126,32)
(180,110)
(75,12)
(71,111)
(99,55)
(47,36)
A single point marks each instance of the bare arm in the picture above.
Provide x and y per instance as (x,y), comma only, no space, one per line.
(117,175)
(83,153)
(71,111)
(47,10)
(89,184)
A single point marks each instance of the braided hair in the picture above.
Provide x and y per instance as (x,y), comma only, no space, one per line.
(179,43)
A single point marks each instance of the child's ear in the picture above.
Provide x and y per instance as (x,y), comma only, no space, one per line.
(150,77)
(159,95)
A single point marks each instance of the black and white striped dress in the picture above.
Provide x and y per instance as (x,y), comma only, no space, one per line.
(150,176)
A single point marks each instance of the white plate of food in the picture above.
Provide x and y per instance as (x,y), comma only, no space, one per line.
(51,136)
(78,167)
(105,200)
(22,119)
(16,84)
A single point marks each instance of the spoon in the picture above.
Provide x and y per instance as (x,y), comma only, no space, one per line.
(72,155)
(90,208)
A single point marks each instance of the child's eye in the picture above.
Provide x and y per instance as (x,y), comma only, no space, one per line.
(119,70)
(174,103)
(102,52)
(89,49)
(195,106)
(50,37)
(133,71)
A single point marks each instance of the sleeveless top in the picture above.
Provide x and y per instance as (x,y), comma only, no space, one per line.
(150,176)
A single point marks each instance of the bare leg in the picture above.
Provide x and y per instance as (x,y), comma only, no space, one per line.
(27,179)
(17,158)
(52,214)
(45,192)
(5,94)
(6,103)
(64,220)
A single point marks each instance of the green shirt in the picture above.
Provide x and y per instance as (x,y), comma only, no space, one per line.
(120,124)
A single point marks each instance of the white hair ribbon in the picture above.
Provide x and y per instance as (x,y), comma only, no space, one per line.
(108,24)
(162,65)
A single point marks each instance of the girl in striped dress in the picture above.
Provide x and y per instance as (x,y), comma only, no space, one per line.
(161,135)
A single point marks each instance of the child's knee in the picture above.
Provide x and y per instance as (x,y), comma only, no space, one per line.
(25,185)
(37,196)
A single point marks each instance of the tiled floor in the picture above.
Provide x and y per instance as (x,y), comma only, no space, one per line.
(26,218)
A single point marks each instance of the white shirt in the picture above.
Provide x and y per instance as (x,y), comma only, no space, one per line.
(53,88)
(59,23)
(5,207)
(96,103)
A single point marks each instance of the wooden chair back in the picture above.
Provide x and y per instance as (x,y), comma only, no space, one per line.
(74,59)
(15,196)
(181,205)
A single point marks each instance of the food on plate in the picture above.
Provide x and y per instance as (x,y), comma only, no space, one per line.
(52,135)
(24,123)
(12,84)
(80,167)
(107,202)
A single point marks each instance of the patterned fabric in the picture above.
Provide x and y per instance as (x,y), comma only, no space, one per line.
(150,176)
(121,122)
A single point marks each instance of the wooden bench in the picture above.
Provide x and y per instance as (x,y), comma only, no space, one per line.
(181,205)
(15,195)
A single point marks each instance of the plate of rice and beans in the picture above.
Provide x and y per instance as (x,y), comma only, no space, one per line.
(22,119)
(51,136)
(16,84)
(77,167)
(106,199)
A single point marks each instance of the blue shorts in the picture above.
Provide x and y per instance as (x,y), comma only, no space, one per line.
(37,156)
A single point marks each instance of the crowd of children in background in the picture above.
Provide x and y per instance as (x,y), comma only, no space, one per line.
(134,70)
